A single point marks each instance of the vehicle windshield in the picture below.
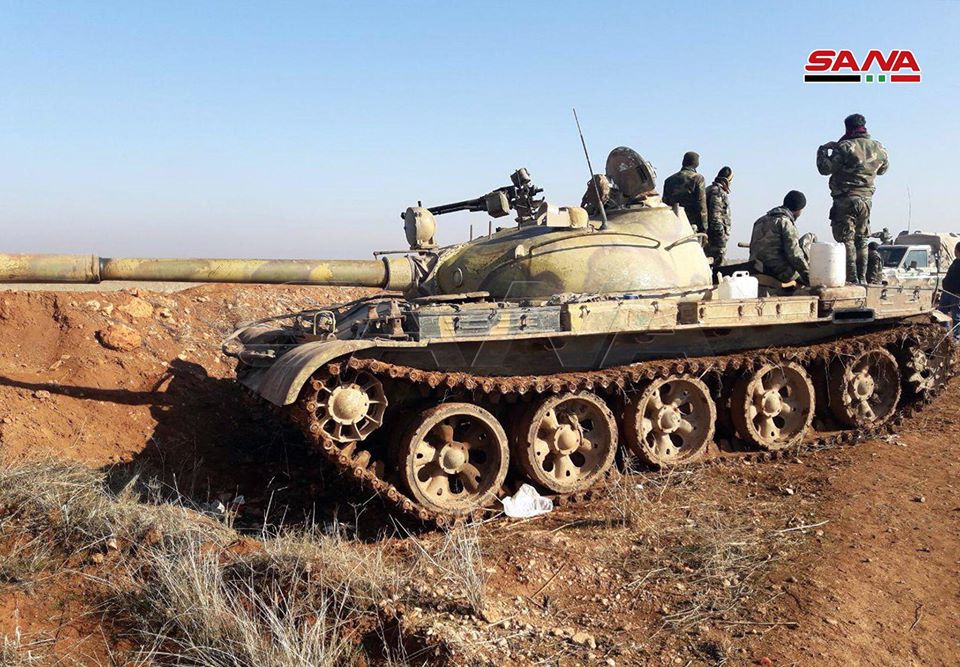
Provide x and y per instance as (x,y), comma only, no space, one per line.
(891,256)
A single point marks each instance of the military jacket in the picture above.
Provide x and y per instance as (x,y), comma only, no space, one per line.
(686,188)
(775,248)
(853,166)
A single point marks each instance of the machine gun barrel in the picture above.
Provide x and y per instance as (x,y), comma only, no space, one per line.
(394,273)
(478,204)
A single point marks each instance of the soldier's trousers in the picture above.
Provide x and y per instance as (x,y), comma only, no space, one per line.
(850,220)
(716,247)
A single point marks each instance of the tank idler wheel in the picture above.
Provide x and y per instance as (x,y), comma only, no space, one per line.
(924,369)
(454,458)
(773,407)
(349,407)
(565,443)
(865,389)
(671,422)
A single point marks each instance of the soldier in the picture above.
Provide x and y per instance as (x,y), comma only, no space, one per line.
(685,188)
(718,216)
(853,164)
(874,264)
(598,185)
(884,236)
(774,247)
(950,292)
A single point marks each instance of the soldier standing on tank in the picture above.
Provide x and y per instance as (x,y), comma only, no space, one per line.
(718,216)
(874,264)
(853,163)
(774,246)
(685,188)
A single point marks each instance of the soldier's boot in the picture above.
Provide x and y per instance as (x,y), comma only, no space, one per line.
(851,251)
(863,259)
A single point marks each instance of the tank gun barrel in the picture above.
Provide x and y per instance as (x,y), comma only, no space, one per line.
(394,273)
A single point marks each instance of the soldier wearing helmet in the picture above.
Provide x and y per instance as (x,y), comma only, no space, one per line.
(852,163)
(686,189)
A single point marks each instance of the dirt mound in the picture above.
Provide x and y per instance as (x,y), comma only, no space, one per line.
(136,378)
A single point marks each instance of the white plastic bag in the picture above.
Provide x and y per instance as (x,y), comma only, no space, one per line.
(525,503)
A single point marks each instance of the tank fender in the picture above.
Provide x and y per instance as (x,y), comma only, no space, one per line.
(939,318)
(280,383)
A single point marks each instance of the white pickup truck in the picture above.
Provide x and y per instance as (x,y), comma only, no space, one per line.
(919,254)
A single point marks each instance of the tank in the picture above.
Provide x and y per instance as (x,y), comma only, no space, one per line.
(538,351)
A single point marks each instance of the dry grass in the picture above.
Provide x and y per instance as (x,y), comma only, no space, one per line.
(196,593)
(76,509)
(196,611)
(699,556)
(23,555)
(453,561)
(683,553)
(16,652)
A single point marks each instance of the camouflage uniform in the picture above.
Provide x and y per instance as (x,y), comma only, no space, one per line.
(874,267)
(775,249)
(883,236)
(686,189)
(718,220)
(598,184)
(853,166)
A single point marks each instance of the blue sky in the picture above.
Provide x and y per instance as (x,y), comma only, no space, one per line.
(291,129)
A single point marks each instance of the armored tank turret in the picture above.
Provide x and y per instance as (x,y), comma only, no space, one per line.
(534,352)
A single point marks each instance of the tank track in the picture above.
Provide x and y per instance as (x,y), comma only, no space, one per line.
(371,474)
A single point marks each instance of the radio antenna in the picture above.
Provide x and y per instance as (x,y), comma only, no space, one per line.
(596,188)
(909,210)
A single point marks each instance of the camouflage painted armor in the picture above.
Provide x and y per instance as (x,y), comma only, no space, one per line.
(718,220)
(874,267)
(853,164)
(775,248)
(686,188)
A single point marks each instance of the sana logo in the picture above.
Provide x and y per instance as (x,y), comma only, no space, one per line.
(831,66)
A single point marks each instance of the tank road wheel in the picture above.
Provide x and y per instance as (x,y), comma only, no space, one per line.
(454,458)
(773,407)
(565,443)
(350,407)
(671,422)
(864,390)
(924,369)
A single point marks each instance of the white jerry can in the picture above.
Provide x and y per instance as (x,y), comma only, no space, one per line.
(741,285)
